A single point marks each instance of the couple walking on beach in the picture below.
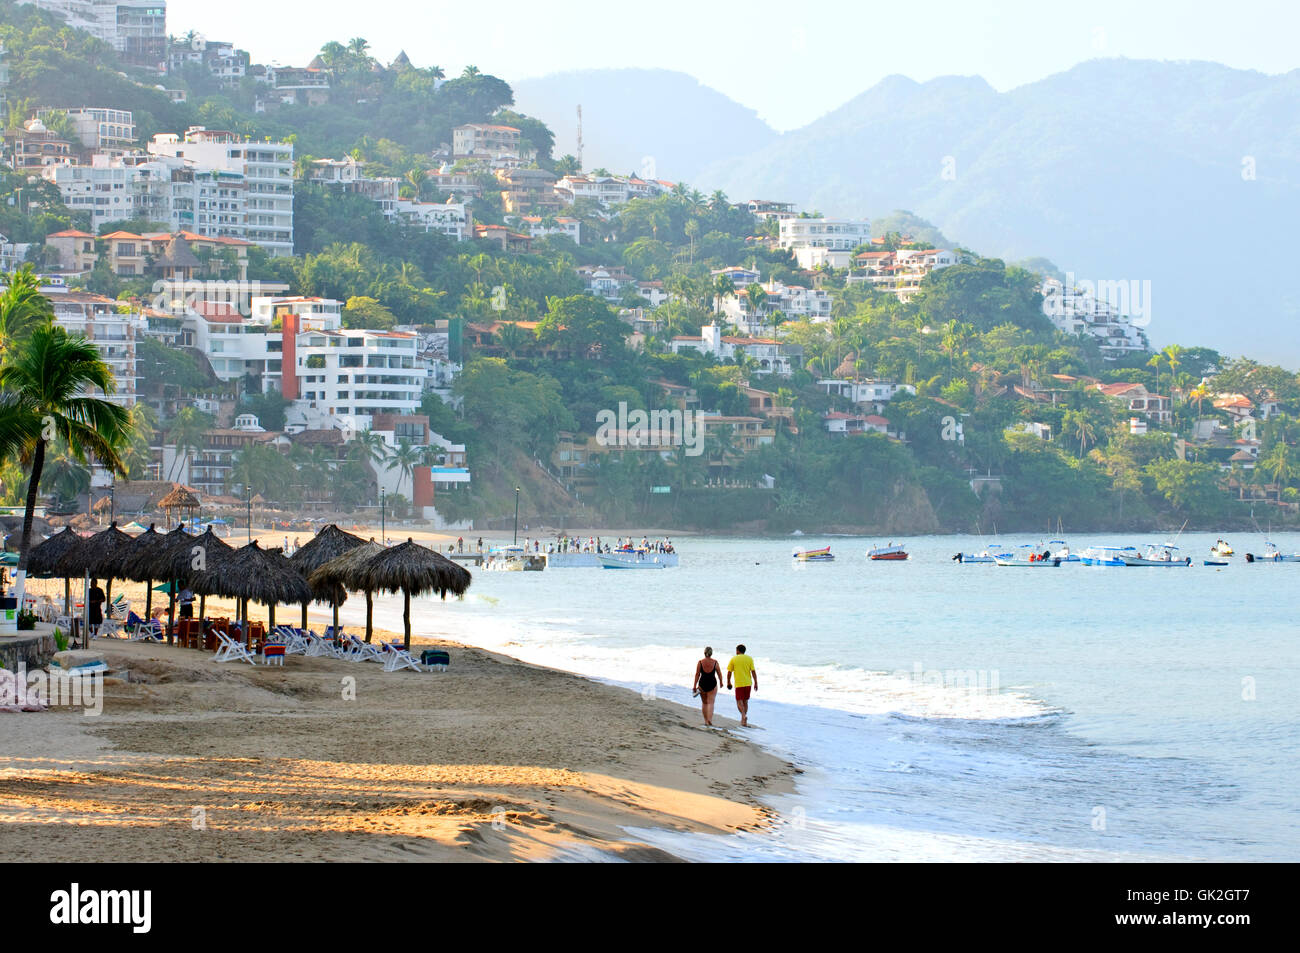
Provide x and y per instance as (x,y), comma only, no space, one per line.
(741,668)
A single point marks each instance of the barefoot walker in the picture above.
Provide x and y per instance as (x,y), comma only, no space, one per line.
(706,684)
(742,667)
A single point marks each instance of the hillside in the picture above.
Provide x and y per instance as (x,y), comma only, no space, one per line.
(631,114)
(1115,170)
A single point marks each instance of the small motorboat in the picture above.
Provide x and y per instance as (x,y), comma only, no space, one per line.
(1157,555)
(1215,562)
(1272,555)
(1033,562)
(505,559)
(887,552)
(1063,554)
(813,555)
(1221,548)
(1106,555)
(635,559)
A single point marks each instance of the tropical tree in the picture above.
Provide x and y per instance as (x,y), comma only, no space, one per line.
(1281,464)
(405,457)
(22,307)
(186,433)
(42,388)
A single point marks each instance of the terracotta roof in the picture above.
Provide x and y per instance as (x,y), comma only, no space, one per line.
(70,233)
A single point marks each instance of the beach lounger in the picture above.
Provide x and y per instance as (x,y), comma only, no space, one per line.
(231,651)
(355,650)
(397,658)
(295,641)
(320,647)
(111,629)
(145,631)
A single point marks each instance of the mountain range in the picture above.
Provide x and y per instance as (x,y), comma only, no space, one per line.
(1183,175)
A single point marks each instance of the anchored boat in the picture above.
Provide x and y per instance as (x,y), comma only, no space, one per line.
(887,552)
(1157,555)
(635,559)
(813,555)
(1221,548)
(1272,555)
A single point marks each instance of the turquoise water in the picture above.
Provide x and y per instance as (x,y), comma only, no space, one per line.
(955,712)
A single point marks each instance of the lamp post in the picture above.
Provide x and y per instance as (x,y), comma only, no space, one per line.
(248,490)
(516,516)
(383,527)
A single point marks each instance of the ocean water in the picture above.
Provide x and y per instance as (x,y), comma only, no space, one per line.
(954,712)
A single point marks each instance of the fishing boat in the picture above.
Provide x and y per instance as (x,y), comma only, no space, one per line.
(1215,562)
(887,552)
(1272,555)
(1221,548)
(986,556)
(1160,555)
(505,559)
(1032,561)
(1105,555)
(813,555)
(635,559)
(1063,552)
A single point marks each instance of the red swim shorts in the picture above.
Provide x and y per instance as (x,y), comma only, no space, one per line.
(742,694)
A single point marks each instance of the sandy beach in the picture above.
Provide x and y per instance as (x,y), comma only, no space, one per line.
(493,760)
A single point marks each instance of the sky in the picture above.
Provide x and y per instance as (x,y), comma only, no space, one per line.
(790,69)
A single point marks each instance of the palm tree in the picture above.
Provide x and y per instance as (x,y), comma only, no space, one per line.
(512,337)
(415,178)
(1077,422)
(1281,465)
(469,72)
(1157,359)
(187,432)
(405,458)
(22,307)
(42,386)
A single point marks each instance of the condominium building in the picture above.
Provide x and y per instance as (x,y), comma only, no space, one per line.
(527,190)
(793,302)
(266,169)
(1074,311)
(769,355)
(487,141)
(97,128)
(608,189)
(348,175)
(113,333)
(900,272)
(136,29)
(223,62)
(823,242)
(452,219)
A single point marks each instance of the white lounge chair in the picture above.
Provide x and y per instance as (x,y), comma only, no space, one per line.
(397,658)
(229,650)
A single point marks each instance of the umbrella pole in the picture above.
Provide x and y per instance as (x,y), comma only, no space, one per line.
(336,619)
(270,618)
(171,609)
(148,599)
(304,615)
(67,596)
(370,623)
(203,605)
(406,616)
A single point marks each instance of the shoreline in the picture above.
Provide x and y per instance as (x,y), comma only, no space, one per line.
(493,760)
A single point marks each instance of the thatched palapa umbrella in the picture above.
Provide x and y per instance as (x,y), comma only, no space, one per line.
(411,569)
(138,564)
(185,555)
(180,498)
(252,574)
(45,556)
(328,544)
(342,570)
(99,557)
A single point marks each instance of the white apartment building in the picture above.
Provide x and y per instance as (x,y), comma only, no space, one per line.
(740,276)
(818,242)
(866,393)
(223,61)
(1075,312)
(114,335)
(485,141)
(267,171)
(359,374)
(136,29)
(768,353)
(100,129)
(604,281)
(794,302)
(349,175)
(534,226)
(900,272)
(452,219)
(608,189)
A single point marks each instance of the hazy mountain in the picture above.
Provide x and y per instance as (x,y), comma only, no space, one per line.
(1115,170)
(631,115)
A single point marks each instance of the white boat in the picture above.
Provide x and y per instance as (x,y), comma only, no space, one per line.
(890,552)
(636,559)
(1272,555)
(505,559)
(1106,555)
(1161,555)
(1221,548)
(984,556)
(1063,553)
(1037,562)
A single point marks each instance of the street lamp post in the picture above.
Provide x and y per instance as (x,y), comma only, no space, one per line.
(516,516)
(248,490)
(383,526)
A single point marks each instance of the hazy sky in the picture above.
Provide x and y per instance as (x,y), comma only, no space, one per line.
(790,62)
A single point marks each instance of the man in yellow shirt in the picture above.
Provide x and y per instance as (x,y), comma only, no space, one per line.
(746,675)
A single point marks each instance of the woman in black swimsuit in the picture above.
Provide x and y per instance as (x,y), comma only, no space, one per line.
(706,684)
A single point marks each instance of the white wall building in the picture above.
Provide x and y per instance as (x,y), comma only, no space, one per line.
(114,335)
(452,219)
(136,29)
(767,352)
(818,242)
(267,170)
(1077,312)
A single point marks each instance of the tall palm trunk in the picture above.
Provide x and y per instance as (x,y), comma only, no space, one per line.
(33,489)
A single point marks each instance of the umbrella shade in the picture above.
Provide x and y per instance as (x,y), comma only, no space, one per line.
(330,543)
(411,569)
(168,587)
(9,559)
(180,498)
(343,570)
(133,527)
(145,562)
(44,556)
(100,556)
(251,573)
(190,556)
